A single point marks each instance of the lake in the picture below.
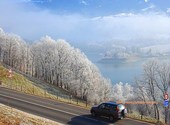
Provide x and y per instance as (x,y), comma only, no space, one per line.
(119,72)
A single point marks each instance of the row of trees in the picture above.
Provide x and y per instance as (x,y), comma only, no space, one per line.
(57,63)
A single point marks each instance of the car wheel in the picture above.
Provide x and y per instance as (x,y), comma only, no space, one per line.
(123,114)
(93,114)
(111,118)
(121,117)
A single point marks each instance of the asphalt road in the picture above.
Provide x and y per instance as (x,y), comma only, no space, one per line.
(57,111)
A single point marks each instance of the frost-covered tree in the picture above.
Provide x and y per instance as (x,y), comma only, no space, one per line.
(148,82)
(43,58)
(2,44)
(123,92)
(12,50)
(153,85)
(64,56)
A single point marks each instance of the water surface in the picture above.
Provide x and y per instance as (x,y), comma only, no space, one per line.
(118,71)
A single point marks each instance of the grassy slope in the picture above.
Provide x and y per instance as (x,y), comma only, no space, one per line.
(20,83)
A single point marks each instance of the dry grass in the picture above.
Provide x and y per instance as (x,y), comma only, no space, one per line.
(144,118)
(18,82)
(11,116)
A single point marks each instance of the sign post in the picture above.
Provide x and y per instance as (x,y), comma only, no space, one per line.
(166,96)
(166,105)
(10,76)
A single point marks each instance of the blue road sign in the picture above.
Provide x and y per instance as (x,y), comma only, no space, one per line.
(166,103)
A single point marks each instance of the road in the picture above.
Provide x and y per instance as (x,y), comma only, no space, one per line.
(57,111)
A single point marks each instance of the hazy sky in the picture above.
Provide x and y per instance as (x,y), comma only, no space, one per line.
(86,20)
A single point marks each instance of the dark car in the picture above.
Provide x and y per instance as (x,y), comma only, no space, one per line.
(111,110)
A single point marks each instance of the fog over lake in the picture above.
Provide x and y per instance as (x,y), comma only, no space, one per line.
(120,71)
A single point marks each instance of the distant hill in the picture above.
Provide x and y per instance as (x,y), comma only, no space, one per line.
(125,54)
(157,50)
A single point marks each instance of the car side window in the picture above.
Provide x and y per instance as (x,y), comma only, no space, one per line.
(108,106)
(102,106)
